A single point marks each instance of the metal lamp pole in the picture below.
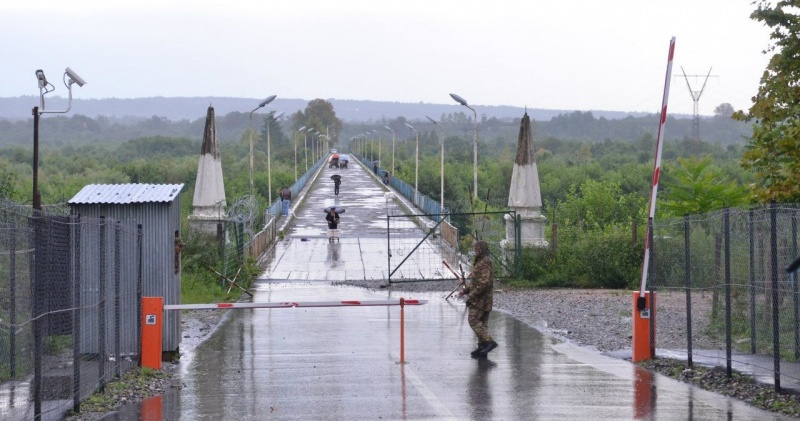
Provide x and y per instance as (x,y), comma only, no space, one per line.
(295,151)
(380,140)
(441,166)
(389,129)
(305,145)
(416,164)
(463,102)
(261,104)
(269,158)
(45,88)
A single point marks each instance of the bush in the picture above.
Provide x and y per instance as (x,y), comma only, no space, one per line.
(585,259)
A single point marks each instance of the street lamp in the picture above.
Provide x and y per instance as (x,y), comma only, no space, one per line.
(416,164)
(44,88)
(305,145)
(463,102)
(261,104)
(320,136)
(269,157)
(380,140)
(295,151)
(389,129)
(441,166)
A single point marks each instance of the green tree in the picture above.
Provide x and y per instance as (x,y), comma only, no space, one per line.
(697,186)
(724,110)
(773,152)
(319,114)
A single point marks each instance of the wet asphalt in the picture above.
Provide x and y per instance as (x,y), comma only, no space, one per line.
(344,363)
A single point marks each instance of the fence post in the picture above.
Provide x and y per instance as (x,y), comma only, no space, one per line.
(12,305)
(751,234)
(117,310)
(101,307)
(76,312)
(518,245)
(688,275)
(139,283)
(773,245)
(795,293)
(727,235)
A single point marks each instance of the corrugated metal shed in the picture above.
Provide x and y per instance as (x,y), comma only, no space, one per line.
(126,193)
(157,207)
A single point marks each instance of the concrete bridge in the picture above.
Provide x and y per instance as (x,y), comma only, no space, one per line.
(343,363)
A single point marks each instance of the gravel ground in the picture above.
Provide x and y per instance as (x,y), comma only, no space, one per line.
(598,319)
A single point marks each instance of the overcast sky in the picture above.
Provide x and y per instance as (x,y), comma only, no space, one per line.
(574,55)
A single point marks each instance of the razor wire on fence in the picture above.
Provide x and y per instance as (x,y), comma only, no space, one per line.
(730,267)
(69,309)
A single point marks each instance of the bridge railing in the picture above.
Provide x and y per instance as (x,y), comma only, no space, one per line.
(427,205)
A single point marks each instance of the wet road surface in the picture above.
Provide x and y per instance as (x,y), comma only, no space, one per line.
(344,363)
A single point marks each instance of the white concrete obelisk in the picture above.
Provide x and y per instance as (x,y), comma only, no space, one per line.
(209,189)
(525,195)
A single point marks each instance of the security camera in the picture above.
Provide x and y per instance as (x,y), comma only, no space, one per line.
(40,77)
(74,77)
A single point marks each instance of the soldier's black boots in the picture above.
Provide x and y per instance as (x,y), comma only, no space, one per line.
(483,349)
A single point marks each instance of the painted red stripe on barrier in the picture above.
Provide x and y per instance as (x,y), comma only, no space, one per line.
(411,302)
(352,303)
(225,305)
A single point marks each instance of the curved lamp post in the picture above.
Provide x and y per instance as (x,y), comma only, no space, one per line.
(269,157)
(260,105)
(305,144)
(463,102)
(441,166)
(295,150)
(380,140)
(389,129)
(44,88)
(416,164)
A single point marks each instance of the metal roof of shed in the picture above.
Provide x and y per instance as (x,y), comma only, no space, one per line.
(126,193)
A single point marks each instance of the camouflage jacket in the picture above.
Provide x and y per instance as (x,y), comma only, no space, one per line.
(480,290)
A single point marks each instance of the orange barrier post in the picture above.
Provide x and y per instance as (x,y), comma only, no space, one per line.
(642,336)
(402,331)
(152,313)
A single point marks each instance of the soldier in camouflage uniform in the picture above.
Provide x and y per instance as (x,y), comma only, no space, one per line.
(480,299)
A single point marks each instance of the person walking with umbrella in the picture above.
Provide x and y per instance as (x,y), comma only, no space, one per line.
(332,218)
(337,180)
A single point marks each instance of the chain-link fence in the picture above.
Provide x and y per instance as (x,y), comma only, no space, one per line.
(729,267)
(417,246)
(69,309)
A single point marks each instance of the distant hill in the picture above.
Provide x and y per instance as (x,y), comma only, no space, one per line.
(176,109)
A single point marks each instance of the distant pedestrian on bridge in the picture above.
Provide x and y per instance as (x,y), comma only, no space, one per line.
(286,199)
(337,180)
(480,299)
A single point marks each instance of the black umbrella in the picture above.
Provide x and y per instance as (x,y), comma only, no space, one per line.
(339,209)
(335,176)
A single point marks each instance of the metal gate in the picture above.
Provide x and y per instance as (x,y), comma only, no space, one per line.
(419,244)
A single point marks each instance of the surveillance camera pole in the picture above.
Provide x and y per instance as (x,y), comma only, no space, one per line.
(44,89)
(37,199)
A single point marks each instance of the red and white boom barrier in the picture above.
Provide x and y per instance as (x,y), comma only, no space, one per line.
(153,310)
